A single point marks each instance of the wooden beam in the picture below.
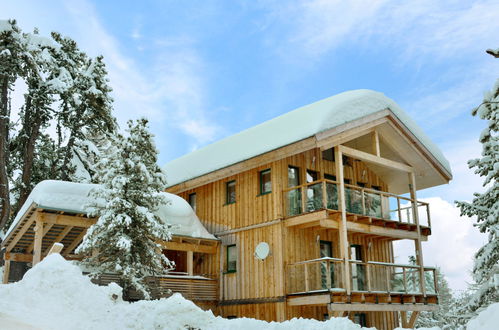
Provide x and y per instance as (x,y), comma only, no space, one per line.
(360,307)
(190,263)
(417,241)
(367,157)
(305,218)
(343,231)
(46,229)
(37,248)
(309,300)
(6,272)
(375,143)
(209,249)
(403,317)
(63,234)
(75,243)
(21,232)
(414,317)
(22,257)
(67,220)
(382,231)
(351,130)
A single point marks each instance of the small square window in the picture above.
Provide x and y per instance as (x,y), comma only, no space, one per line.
(231,258)
(230,192)
(265,182)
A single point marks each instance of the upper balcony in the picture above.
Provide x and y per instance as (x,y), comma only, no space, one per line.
(317,204)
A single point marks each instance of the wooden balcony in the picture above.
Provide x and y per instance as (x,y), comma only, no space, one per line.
(303,205)
(195,288)
(374,285)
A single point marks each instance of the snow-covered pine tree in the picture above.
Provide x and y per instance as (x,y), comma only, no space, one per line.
(11,67)
(124,239)
(441,317)
(485,206)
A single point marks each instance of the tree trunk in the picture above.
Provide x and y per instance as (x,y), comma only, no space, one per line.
(4,151)
(28,156)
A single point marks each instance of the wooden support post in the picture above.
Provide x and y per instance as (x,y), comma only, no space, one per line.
(343,234)
(412,321)
(6,272)
(375,143)
(190,263)
(403,316)
(417,241)
(37,247)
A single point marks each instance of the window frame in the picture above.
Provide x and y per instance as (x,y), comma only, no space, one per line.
(262,185)
(228,197)
(227,269)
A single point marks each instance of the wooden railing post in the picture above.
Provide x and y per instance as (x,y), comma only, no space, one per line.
(404,279)
(368,277)
(399,210)
(324,194)
(307,285)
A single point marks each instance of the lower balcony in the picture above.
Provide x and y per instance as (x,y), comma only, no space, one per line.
(321,281)
(195,288)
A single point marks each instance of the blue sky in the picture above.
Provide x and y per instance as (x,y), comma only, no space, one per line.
(203,70)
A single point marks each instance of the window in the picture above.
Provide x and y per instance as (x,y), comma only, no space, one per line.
(192,201)
(312,176)
(231,258)
(328,154)
(265,182)
(293,176)
(230,192)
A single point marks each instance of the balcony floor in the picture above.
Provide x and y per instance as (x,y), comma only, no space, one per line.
(365,301)
(357,223)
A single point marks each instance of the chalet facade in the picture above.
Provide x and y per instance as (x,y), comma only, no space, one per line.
(295,217)
(327,189)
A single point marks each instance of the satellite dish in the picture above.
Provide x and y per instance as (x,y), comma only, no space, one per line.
(262,250)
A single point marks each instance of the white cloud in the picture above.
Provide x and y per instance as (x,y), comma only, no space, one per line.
(426,27)
(451,246)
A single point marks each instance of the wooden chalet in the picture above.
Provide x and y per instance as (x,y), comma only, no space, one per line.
(296,217)
(308,206)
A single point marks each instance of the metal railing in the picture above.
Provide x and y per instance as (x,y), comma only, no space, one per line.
(327,274)
(323,194)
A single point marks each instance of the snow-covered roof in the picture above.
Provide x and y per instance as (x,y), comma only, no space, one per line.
(292,127)
(73,197)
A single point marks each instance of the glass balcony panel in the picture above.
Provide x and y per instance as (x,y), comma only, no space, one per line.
(314,197)
(373,204)
(332,195)
(293,201)
(353,200)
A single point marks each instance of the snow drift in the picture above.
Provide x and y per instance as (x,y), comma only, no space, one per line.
(55,295)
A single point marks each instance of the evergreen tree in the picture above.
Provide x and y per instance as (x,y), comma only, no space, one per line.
(65,89)
(124,239)
(485,206)
(442,317)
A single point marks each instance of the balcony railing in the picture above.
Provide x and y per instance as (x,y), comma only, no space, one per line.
(379,277)
(323,194)
(198,288)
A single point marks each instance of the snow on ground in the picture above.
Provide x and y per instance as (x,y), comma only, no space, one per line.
(55,295)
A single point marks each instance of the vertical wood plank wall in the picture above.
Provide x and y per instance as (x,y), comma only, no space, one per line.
(256,279)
